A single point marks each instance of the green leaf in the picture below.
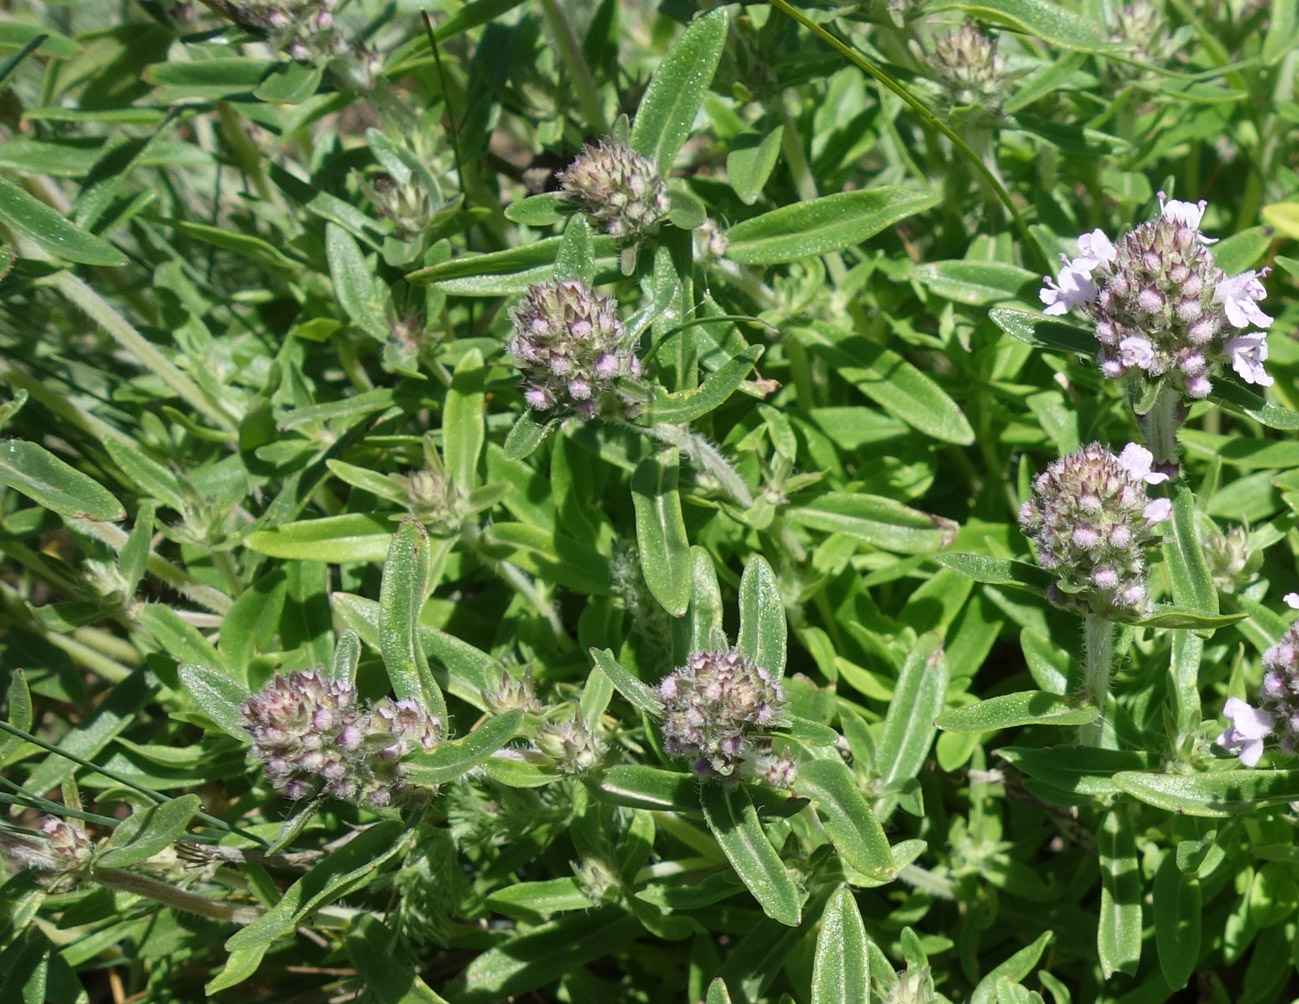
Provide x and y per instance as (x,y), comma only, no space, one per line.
(750,162)
(575,259)
(846,816)
(992,988)
(1177,902)
(343,871)
(1232,393)
(537,900)
(676,91)
(1118,940)
(290,83)
(347,656)
(248,245)
(1028,707)
(977,282)
(841,966)
(685,406)
(1242,250)
(830,223)
(51,232)
(909,723)
(890,381)
(334,539)
(451,760)
(631,688)
(1281,38)
(717,992)
(763,632)
(1040,18)
(1188,572)
(402,592)
(875,520)
(543,210)
(526,435)
(701,629)
(647,788)
(217,695)
(463,425)
(734,822)
(1044,332)
(19,711)
(998,571)
(1085,770)
(544,954)
(371,947)
(179,639)
(1225,793)
(661,531)
(1170,616)
(49,482)
(207,78)
(148,831)
(359,293)
(520,265)
(17,35)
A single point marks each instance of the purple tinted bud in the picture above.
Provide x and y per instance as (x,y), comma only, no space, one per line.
(619,188)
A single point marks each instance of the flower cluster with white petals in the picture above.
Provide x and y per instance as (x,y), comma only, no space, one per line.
(1278,710)
(1161,306)
(1091,521)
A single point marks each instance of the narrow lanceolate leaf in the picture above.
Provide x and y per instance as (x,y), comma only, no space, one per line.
(1170,616)
(1232,393)
(1188,572)
(998,571)
(685,406)
(846,816)
(45,479)
(1177,902)
(647,788)
(217,695)
(841,967)
(830,223)
(701,629)
(1043,19)
(1225,793)
(875,520)
(1028,707)
(575,260)
(450,760)
(631,688)
(19,711)
(763,632)
(354,536)
(463,427)
(1043,332)
(401,597)
(526,435)
(1013,971)
(1118,940)
(358,292)
(661,532)
(148,831)
(909,723)
(50,231)
(677,89)
(734,823)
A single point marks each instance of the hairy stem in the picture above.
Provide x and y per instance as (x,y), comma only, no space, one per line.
(1098,660)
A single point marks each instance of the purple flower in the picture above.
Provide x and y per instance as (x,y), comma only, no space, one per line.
(1136,460)
(1187,214)
(1075,289)
(1239,297)
(1248,353)
(1249,727)
(1096,251)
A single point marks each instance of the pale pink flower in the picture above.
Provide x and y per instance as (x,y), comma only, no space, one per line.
(1249,727)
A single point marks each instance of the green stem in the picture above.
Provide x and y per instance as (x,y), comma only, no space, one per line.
(1098,656)
(177,899)
(587,98)
(1161,423)
(99,311)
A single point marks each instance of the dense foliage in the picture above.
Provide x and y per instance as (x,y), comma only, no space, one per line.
(584,502)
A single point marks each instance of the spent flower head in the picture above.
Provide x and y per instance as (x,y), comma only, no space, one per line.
(1091,522)
(716,708)
(571,349)
(619,188)
(1161,307)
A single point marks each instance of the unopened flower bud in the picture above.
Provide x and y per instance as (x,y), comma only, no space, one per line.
(621,190)
(966,64)
(1091,522)
(716,706)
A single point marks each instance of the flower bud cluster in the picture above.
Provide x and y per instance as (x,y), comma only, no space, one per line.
(1091,522)
(620,189)
(1278,704)
(574,747)
(406,204)
(64,846)
(1161,306)
(571,348)
(310,735)
(965,63)
(1232,563)
(303,29)
(717,706)
(432,498)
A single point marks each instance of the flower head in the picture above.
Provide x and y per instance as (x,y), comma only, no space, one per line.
(966,64)
(1161,307)
(618,187)
(571,348)
(1278,702)
(1091,521)
(716,706)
